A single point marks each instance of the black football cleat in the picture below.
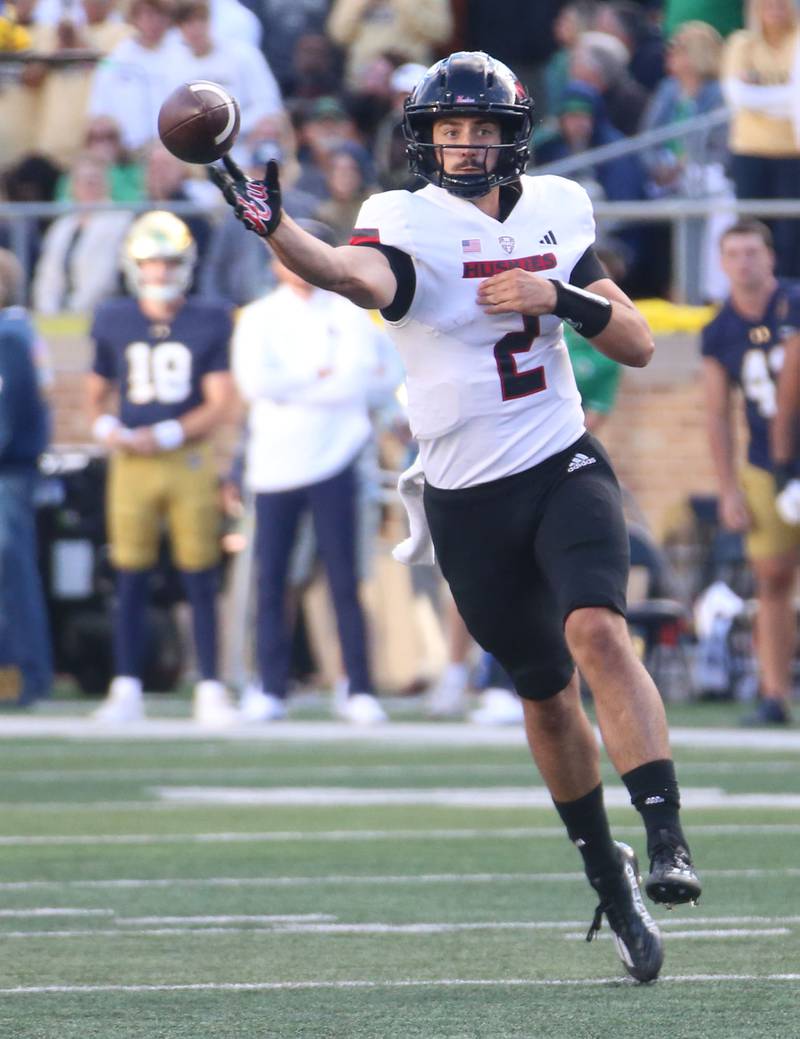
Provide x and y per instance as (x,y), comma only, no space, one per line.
(634,931)
(672,879)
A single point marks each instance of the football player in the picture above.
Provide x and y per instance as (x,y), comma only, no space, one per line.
(475,274)
(743,348)
(166,356)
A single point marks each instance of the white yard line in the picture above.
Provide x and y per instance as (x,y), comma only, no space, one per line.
(46,911)
(87,806)
(284,882)
(323,922)
(459,797)
(238,837)
(449,734)
(241,918)
(327,923)
(161,926)
(525,797)
(340,879)
(464,797)
(263,773)
(150,773)
(345,836)
(731,932)
(274,986)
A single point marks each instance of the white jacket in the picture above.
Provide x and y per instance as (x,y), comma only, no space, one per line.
(308,367)
(130,84)
(91,272)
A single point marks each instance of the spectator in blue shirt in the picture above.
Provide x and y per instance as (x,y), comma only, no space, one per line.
(691,88)
(583,125)
(25,652)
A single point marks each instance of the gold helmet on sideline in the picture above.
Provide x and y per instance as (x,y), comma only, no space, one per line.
(159,235)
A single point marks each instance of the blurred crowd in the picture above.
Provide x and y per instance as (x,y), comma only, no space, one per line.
(321,85)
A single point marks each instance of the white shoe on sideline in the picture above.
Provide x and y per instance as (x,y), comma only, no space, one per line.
(123,704)
(361,709)
(212,705)
(498,707)
(448,698)
(341,690)
(258,706)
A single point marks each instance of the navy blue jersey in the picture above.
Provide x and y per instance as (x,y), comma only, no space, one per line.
(159,368)
(751,352)
(24,416)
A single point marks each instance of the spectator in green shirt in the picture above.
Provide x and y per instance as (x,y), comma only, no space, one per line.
(597,377)
(126,177)
(724,15)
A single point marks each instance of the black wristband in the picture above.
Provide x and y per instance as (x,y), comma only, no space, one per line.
(783,473)
(587,312)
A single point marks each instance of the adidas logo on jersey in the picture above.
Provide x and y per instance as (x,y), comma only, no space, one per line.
(578,461)
(549,239)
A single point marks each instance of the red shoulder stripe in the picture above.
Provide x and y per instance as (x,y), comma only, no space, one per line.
(365,236)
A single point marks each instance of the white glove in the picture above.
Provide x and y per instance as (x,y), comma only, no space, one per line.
(103,426)
(168,434)
(788,503)
(417,549)
(107,426)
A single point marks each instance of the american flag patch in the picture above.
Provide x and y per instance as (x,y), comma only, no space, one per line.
(470,245)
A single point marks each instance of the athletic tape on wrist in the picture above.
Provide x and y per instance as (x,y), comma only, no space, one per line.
(168,434)
(103,426)
(585,311)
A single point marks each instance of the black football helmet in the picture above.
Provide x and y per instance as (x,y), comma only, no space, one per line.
(469,83)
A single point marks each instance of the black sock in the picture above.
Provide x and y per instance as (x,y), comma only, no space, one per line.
(656,797)
(587,826)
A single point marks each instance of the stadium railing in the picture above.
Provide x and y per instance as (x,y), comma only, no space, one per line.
(686,214)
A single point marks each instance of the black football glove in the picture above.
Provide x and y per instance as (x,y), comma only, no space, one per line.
(257,203)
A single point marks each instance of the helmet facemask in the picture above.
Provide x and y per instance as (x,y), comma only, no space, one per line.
(428,159)
(163,236)
(469,84)
(167,291)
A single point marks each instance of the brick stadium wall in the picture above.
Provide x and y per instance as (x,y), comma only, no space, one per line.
(70,355)
(656,435)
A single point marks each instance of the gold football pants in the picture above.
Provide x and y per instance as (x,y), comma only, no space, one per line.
(177,490)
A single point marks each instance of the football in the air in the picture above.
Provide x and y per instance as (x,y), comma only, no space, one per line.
(199,121)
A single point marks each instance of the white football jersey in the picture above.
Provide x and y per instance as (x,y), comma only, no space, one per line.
(488,394)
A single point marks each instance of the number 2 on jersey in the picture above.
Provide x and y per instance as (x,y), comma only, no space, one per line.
(515,384)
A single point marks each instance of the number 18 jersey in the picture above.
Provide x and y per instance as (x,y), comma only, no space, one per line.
(159,368)
(488,394)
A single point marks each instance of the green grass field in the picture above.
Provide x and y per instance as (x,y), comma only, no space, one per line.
(274,887)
